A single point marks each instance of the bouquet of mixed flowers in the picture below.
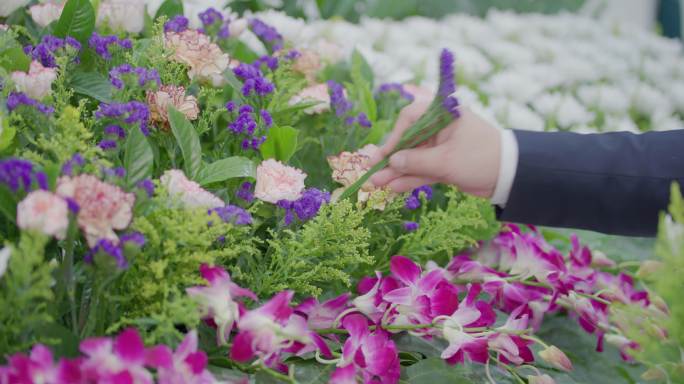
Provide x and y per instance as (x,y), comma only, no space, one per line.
(184,199)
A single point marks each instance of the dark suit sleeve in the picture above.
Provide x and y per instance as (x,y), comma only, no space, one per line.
(614,183)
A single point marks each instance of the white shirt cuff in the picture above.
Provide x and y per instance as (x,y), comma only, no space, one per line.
(508,166)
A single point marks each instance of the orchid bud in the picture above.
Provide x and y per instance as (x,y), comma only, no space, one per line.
(541,379)
(649,268)
(556,358)
(654,374)
(599,259)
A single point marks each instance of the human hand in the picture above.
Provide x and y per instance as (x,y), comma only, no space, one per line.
(465,154)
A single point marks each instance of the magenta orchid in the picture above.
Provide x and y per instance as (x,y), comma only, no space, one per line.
(186,365)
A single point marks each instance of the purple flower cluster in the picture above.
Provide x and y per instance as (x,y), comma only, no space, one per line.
(116,251)
(48,47)
(130,113)
(267,34)
(395,87)
(246,124)
(117,172)
(76,161)
(447,83)
(178,23)
(146,185)
(232,214)
(245,192)
(116,133)
(18,173)
(210,17)
(306,207)
(270,61)
(101,44)
(293,54)
(144,75)
(342,106)
(15,99)
(413,201)
(253,80)
(411,226)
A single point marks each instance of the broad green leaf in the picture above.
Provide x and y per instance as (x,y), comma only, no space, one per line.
(8,204)
(436,371)
(188,141)
(243,53)
(7,132)
(92,84)
(14,59)
(362,81)
(77,20)
(234,83)
(361,66)
(280,144)
(138,157)
(170,8)
(377,132)
(225,169)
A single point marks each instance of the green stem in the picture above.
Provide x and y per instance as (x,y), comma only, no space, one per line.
(277,375)
(69,282)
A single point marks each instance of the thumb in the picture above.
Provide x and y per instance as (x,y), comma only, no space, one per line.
(423,162)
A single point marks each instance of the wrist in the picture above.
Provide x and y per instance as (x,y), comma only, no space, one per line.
(508,165)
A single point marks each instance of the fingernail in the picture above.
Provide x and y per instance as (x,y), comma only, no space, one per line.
(398,161)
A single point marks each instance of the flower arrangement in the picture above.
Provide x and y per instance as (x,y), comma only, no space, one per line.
(184,199)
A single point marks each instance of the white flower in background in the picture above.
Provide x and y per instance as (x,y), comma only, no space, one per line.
(5,254)
(648,100)
(188,192)
(192,9)
(620,124)
(666,122)
(565,109)
(45,13)
(508,53)
(237,26)
(37,82)
(128,15)
(206,60)
(9,6)
(4,27)
(516,115)
(44,212)
(511,85)
(676,93)
(606,98)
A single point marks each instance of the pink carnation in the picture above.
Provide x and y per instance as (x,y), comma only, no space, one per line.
(128,15)
(37,82)
(188,192)
(102,207)
(277,181)
(171,95)
(205,59)
(315,93)
(45,13)
(45,212)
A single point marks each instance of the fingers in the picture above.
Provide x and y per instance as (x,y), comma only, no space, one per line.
(407,117)
(426,162)
(408,183)
(383,177)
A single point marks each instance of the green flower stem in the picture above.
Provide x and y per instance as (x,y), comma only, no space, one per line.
(68,267)
(277,375)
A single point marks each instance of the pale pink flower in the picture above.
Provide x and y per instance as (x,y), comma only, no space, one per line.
(277,181)
(4,27)
(188,192)
(5,254)
(171,95)
(308,64)
(348,167)
(204,58)
(236,27)
(557,358)
(37,82)
(45,212)
(103,207)
(314,93)
(541,379)
(128,15)
(45,13)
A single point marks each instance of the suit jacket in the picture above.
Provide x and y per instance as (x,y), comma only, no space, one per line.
(614,183)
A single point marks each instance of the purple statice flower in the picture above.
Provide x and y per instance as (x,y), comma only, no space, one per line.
(338,100)
(245,192)
(224,31)
(15,99)
(144,75)
(232,214)
(101,44)
(349,120)
(230,106)
(395,87)
(266,117)
(48,47)
(146,185)
(115,130)
(270,61)
(18,174)
(177,23)
(68,166)
(412,202)
(118,172)
(267,34)
(210,16)
(107,144)
(72,205)
(410,226)
(292,54)
(253,80)
(306,207)
(108,248)
(130,113)
(136,238)
(41,179)
(363,121)
(256,142)
(447,83)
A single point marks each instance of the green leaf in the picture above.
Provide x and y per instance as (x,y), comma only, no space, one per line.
(280,144)
(77,20)
(362,80)
(361,66)
(377,132)
(436,371)
(170,8)
(225,169)
(8,204)
(188,141)
(243,53)
(92,84)
(138,157)
(7,133)
(14,59)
